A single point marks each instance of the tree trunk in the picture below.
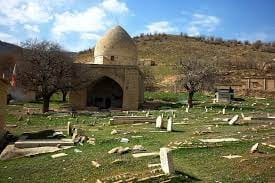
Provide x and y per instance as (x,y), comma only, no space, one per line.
(64,96)
(190,99)
(46,104)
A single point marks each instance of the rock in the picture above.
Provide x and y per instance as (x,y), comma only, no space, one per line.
(254,148)
(124,140)
(114,150)
(116,132)
(77,151)
(117,161)
(138,149)
(59,155)
(96,164)
(124,150)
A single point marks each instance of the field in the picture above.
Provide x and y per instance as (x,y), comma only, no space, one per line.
(194,160)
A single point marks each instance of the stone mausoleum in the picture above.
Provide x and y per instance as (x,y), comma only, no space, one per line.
(113,80)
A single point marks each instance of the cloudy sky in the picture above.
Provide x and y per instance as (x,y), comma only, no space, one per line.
(78,24)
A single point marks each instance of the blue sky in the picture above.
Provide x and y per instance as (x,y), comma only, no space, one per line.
(78,24)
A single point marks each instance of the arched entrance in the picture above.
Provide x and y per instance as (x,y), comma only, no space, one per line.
(105,93)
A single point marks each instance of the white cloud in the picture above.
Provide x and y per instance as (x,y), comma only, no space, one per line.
(90,36)
(31,28)
(24,11)
(202,23)
(115,6)
(92,20)
(8,38)
(161,27)
(88,21)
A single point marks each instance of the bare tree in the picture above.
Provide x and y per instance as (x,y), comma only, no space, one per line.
(195,75)
(47,69)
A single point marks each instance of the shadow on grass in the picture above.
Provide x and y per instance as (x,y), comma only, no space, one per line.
(45,134)
(184,177)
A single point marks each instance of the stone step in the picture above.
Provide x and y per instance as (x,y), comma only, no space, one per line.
(43,143)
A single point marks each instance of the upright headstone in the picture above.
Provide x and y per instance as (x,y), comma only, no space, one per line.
(223,111)
(147,114)
(162,115)
(170,125)
(166,161)
(159,122)
(206,110)
(69,129)
(187,109)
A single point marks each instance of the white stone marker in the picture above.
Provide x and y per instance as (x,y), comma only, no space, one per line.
(187,109)
(170,125)
(206,110)
(223,111)
(233,120)
(147,114)
(166,161)
(69,129)
(159,122)
(162,115)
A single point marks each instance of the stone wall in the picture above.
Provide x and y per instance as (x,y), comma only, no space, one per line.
(128,77)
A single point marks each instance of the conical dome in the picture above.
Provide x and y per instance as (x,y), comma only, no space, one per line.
(116,48)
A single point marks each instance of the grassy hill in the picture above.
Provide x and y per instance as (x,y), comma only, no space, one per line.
(235,59)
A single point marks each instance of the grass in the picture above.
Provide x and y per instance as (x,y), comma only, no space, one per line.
(205,164)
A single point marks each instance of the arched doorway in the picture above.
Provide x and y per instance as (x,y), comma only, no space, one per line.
(105,93)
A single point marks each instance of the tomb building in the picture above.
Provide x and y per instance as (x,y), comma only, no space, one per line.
(113,78)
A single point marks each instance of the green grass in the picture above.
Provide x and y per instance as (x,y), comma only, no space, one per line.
(205,164)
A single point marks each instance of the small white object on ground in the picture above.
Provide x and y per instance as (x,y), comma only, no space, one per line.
(219,140)
(233,120)
(254,148)
(124,140)
(232,156)
(59,155)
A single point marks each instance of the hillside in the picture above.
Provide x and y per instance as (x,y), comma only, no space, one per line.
(235,59)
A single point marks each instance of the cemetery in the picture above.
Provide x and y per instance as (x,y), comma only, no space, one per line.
(162,144)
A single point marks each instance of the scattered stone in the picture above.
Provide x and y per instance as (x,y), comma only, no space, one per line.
(219,140)
(43,143)
(124,140)
(138,149)
(124,150)
(117,161)
(114,132)
(91,141)
(139,155)
(96,164)
(269,145)
(166,160)
(114,150)
(254,148)
(170,125)
(232,156)
(233,120)
(136,137)
(77,151)
(59,155)
(159,122)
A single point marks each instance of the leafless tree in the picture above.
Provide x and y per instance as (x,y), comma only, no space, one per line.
(47,69)
(195,75)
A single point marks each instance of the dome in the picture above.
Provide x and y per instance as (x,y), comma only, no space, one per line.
(116,47)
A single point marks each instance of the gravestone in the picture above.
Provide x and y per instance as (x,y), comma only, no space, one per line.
(69,129)
(206,110)
(170,125)
(223,111)
(233,120)
(159,122)
(166,161)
